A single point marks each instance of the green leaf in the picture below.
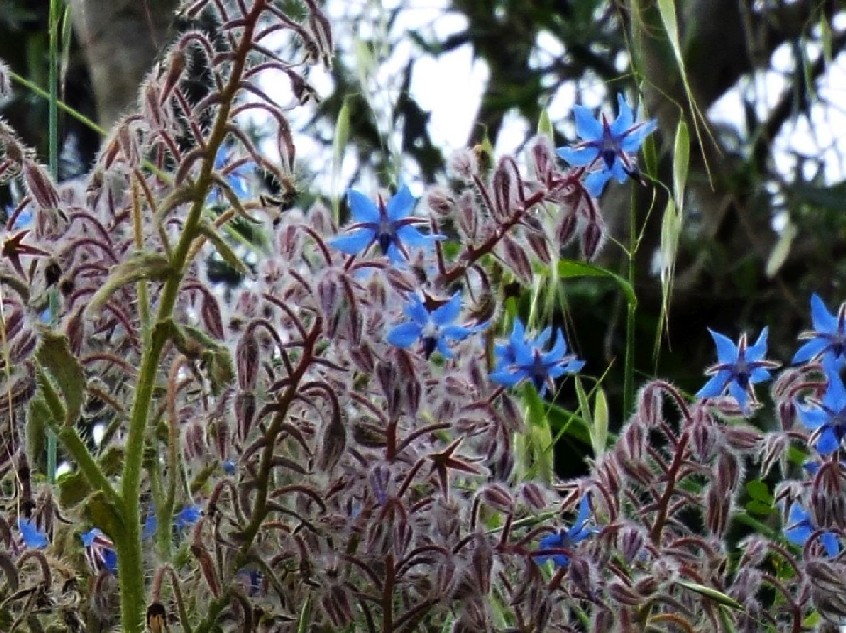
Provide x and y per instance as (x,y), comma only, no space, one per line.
(545,125)
(55,357)
(681,160)
(571,268)
(339,144)
(599,431)
(781,249)
(223,249)
(103,513)
(758,490)
(38,419)
(139,266)
(671,226)
(759,508)
(73,488)
(534,446)
(713,594)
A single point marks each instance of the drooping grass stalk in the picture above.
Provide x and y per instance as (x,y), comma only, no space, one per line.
(631,314)
(53,162)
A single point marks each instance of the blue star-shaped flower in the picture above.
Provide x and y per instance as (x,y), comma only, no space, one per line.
(566,539)
(609,145)
(432,323)
(237,178)
(738,367)
(390,226)
(828,338)
(188,516)
(827,418)
(33,538)
(521,358)
(799,529)
(99,550)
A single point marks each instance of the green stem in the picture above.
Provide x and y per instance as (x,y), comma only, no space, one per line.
(53,160)
(86,463)
(76,114)
(128,546)
(631,313)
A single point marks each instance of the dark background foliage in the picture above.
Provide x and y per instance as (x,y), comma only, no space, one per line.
(728,45)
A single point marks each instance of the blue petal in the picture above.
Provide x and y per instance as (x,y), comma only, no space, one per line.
(812,417)
(404,334)
(715,386)
(739,394)
(799,534)
(759,349)
(552,541)
(443,348)
(543,338)
(410,236)
(835,394)
(110,560)
(595,182)
(89,536)
(395,255)
(827,442)
(726,349)
(759,374)
(830,543)
(353,243)
(574,366)
(632,141)
(33,538)
(362,208)
(401,205)
(448,312)
(416,311)
(456,332)
(578,156)
(587,127)
(618,171)
(188,516)
(823,320)
(810,349)
(150,527)
(625,117)
(507,377)
(584,512)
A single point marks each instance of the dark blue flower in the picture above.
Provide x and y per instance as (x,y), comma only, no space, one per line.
(432,323)
(827,418)
(151,524)
(738,367)
(33,538)
(99,551)
(390,226)
(521,358)
(187,517)
(566,539)
(609,146)
(799,529)
(237,177)
(828,338)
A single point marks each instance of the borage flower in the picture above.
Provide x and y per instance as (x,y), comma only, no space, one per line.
(608,145)
(566,539)
(99,551)
(390,226)
(32,537)
(237,178)
(799,529)
(432,323)
(521,358)
(828,338)
(738,367)
(827,418)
